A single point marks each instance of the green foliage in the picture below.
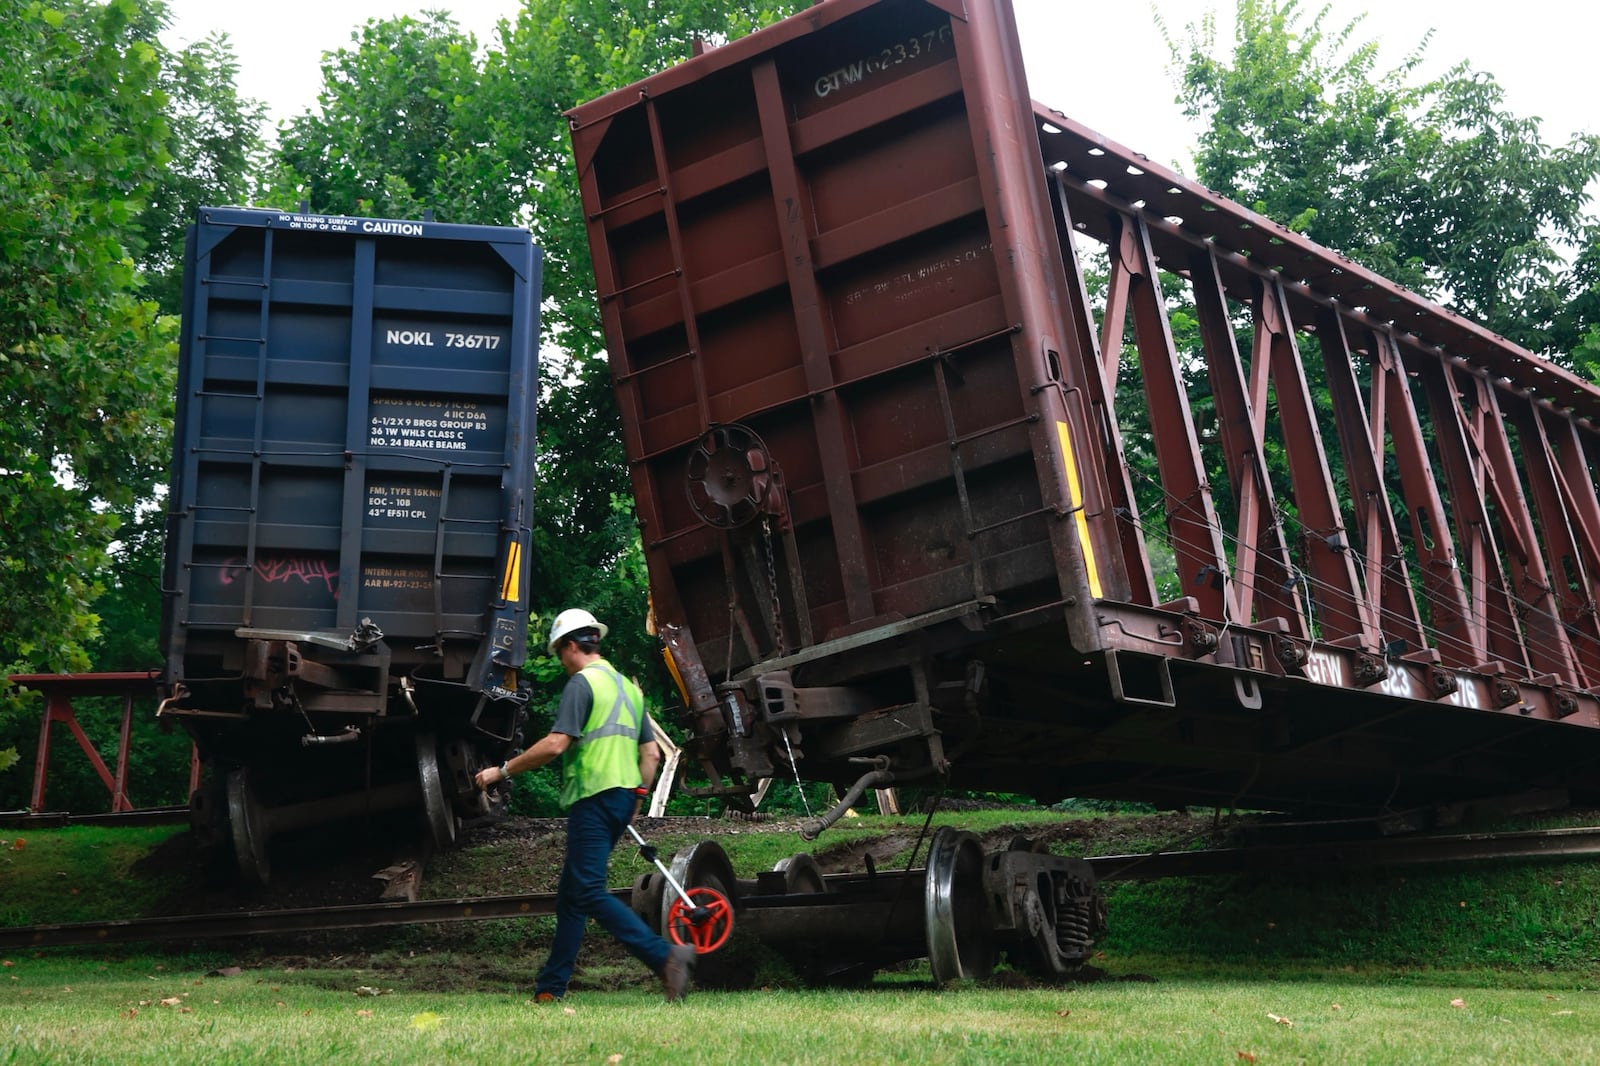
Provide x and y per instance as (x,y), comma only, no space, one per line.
(92,213)
(1432,184)
(216,134)
(387,136)
(85,362)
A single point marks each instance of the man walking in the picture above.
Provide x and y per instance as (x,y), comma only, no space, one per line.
(609,758)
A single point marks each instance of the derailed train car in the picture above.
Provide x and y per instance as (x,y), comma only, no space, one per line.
(350,513)
(918,509)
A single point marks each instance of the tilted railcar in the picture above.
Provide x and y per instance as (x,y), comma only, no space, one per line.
(350,512)
(923,503)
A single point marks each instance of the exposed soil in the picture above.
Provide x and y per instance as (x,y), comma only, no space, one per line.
(338,865)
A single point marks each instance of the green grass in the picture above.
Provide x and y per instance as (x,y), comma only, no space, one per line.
(87,1010)
(79,873)
(1367,966)
(1518,916)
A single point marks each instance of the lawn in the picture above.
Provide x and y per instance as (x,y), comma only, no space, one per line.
(1459,965)
(86,1009)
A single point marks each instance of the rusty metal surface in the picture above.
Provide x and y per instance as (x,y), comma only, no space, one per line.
(58,691)
(1336,550)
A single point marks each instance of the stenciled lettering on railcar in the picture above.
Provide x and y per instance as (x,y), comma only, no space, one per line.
(396,578)
(440,338)
(429,425)
(347,224)
(1328,668)
(914,281)
(900,52)
(410,502)
(282,569)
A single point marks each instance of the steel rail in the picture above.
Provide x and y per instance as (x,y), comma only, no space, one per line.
(56,819)
(286,920)
(1573,843)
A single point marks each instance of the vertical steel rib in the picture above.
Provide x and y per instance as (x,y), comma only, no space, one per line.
(791,203)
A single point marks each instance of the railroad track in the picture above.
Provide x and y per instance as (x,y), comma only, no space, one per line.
(175,815)
(1549,844)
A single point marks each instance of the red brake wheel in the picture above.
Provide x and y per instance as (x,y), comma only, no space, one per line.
(706,925)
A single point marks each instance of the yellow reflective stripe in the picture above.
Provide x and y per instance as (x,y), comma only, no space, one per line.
(1078,513)
(677,678)
(511,587)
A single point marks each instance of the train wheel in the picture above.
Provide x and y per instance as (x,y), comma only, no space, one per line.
(647,900)
(801,874)
(436,810)
(248,824)
(705,865)
(960,934)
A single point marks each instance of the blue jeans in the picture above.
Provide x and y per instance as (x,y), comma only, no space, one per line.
(594,825)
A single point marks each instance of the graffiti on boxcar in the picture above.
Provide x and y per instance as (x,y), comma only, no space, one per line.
(303,568)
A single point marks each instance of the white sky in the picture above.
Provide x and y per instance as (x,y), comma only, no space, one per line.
(1101,62)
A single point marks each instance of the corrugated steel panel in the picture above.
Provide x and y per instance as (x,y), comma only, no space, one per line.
(354,440)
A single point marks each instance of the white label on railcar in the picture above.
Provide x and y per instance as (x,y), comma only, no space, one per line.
(1328,668)
(402,502)
(440,338)
(398,578)
(433,425)
(903,51)
(324,223)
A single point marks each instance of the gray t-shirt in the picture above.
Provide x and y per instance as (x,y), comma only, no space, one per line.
(577,700)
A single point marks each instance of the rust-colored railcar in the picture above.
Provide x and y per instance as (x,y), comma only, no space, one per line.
(918,508)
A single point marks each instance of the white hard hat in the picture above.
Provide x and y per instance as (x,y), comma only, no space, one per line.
(572,620)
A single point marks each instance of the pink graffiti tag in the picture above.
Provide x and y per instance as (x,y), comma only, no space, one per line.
(304,569)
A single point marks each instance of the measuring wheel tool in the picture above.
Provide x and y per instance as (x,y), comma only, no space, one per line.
(700,916)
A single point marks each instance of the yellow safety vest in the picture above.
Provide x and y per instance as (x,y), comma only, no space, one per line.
(607,755)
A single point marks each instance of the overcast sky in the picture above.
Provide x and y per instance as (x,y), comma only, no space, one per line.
(1101,63)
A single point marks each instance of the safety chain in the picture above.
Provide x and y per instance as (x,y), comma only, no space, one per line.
(772,586)
(777,637)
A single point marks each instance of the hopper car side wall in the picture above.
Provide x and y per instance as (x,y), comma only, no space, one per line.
(354,437)
(835,264)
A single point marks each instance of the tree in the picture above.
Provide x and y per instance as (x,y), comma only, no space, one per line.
(217,134)
(387,128)
(91,227)
(1430,183)
(85,363)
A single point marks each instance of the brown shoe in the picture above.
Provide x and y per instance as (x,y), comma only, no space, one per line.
(675,972)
